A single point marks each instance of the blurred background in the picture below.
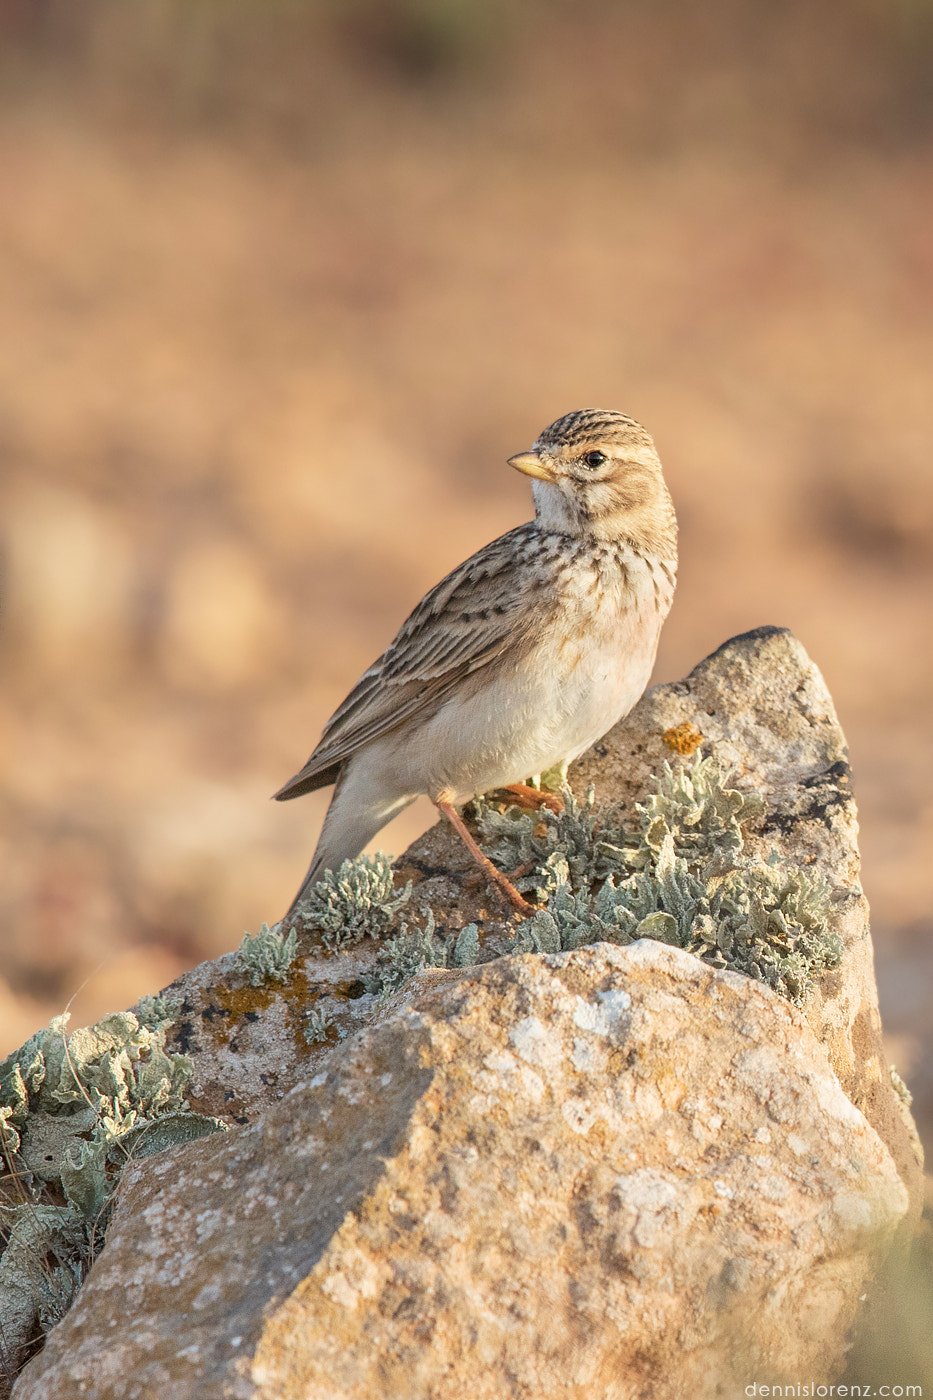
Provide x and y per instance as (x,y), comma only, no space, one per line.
(284,282)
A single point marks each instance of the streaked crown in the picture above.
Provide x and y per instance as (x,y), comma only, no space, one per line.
(593,425)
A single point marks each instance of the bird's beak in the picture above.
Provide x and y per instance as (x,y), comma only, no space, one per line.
(531,464)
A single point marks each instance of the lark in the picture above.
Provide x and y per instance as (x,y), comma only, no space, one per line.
(518,660)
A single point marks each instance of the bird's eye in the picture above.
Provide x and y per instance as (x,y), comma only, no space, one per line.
(594,459)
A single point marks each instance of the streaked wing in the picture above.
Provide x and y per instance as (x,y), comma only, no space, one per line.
(489,605)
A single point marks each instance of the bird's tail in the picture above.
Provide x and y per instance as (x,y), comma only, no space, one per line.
(315,871)
(353,819)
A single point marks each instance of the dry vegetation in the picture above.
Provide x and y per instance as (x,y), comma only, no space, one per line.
(282,286)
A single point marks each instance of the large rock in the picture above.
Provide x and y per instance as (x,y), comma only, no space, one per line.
(613,1172)
(760,703)
(569,1175)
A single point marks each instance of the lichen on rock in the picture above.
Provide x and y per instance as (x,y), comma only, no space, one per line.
(506,1185)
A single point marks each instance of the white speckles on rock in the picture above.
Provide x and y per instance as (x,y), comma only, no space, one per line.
(208,1223)
(356,1279)
(649,1202)
(580,1115)
(206,1295)
(614,1002)
(589,1017)
(772,1187)
(605,1015)
(340,1291)
(585,1055)
(502,1076)
(535,1043)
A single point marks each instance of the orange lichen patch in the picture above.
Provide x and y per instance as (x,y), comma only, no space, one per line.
(244,1003)
(238,1002)
(683,738)
(298,993)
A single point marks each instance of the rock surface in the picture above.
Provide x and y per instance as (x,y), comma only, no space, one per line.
(759,702)
(558,1176)
(613,1172)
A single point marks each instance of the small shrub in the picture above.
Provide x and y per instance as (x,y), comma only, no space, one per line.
(357,901)
(267,954)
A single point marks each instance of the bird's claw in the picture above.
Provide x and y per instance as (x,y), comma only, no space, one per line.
(523,795)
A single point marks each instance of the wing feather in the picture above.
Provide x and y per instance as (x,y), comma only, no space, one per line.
(488,605)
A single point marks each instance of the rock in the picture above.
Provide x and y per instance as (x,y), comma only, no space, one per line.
(556,1176)
(759,702)
(613,1171)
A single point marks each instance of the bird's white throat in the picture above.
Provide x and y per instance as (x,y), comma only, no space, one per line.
(554,510)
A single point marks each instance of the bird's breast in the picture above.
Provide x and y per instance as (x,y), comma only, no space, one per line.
(604,640)
(542,704)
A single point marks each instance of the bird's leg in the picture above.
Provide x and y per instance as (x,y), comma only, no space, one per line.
(526,796)
(448,810)
(525,868)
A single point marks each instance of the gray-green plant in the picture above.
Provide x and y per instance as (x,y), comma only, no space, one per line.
(357,901)
(516,838)
(267,954)
(157,1010)
(73,1110)
(416,947)
(461,949)
(404,956)
(317,1026)
(683,878)
(900,1088)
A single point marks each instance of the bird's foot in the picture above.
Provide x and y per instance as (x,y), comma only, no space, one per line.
(522,795)
(498,877)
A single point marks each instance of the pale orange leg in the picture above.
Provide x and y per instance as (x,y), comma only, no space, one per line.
(526,796)
(498,878)
(525,868)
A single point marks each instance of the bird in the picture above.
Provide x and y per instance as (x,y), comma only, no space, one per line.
(520,659)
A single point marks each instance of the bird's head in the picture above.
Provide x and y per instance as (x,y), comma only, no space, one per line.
(596,472)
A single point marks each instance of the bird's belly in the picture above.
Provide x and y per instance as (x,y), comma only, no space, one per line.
(543,712)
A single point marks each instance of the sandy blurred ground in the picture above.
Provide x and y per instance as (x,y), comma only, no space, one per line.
(282,285)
